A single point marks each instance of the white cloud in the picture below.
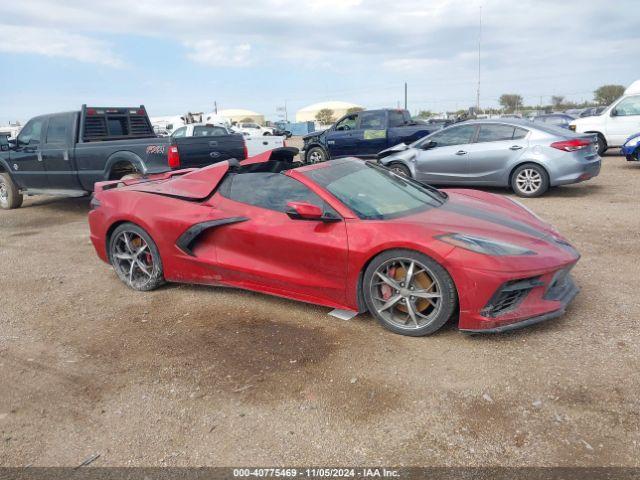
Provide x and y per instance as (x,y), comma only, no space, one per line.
(56,43)
(213,54)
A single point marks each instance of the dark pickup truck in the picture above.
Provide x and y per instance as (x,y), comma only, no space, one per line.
(363,134)
(66,153)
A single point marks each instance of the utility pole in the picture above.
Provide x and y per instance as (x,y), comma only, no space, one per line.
(405,95)
(215,107)
(479,50)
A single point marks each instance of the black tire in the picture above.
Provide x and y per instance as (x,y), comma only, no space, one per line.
(143,271)
(10,196)
(529,180)
(439,311)
(400,169)
(602,144)
(316,155)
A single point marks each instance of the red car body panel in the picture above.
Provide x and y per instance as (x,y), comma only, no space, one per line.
(322,263)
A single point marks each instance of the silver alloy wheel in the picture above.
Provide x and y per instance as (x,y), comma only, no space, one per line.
(399,170)
(406,293)
(133,259)
(315,157)
(4,194)
(529,181)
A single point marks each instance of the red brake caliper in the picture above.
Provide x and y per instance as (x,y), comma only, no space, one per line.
(385,289)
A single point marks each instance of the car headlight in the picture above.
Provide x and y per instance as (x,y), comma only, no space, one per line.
(486,246)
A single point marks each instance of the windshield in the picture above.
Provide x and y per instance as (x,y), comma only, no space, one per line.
(373,192)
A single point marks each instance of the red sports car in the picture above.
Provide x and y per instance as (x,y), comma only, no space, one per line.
(346,234)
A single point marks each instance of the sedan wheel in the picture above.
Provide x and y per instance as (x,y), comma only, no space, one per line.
(400,169)
(409,293)
(135,257)
(530,181)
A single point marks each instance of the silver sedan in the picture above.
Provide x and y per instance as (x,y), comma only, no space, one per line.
(522,155)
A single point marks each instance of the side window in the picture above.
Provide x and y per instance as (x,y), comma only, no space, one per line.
(458,135)
(495,133)
(268,190)
(347,123)
(31,133)
(57,129)
(372,121)
(181,132)
(628,106)
(520,133)
(396,119)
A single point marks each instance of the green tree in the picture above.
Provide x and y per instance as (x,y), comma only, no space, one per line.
(510,101)
(424,114)
(354,110)
(325,116)
(557,101)
(606,94)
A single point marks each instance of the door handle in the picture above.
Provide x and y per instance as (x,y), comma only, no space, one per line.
(39,156)
(65,155)
(515,147)
(461,152)
(213,143)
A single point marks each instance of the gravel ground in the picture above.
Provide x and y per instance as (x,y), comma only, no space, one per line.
(209,376)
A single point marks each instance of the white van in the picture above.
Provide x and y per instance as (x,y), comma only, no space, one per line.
(616,123)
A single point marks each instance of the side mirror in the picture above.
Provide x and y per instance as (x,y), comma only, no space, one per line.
(614,112)
(430,144)
(304,211)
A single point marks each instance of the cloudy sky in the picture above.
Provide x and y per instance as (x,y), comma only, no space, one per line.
(179,55)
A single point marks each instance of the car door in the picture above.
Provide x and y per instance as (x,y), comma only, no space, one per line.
(57,153)
(370,134)
(497,146)
(441,158)
(341,138)
(623,120)
(271,251)
(26,159)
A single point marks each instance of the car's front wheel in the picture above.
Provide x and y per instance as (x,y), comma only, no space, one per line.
(10,196)
(400,169)
(316,155)
(529,180)
(135,257)
(409,293)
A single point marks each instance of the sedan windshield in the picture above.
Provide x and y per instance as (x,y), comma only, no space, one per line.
(373,192)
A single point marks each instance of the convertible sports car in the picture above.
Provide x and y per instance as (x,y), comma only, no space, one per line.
(346,234)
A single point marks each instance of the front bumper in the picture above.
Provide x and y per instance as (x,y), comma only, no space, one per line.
(629,151)
(568,295)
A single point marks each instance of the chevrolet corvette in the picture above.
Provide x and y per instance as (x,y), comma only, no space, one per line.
(345,234)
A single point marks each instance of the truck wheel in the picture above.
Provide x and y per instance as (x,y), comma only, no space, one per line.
(266,134)
(10,196)
(602,144)
(316,155)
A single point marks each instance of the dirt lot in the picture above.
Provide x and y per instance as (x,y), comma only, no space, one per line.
(208,376)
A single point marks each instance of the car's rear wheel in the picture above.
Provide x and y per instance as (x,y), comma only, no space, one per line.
(408,292)
(135,257)
(529,180)
(10,196)
(400,169)
(316,155)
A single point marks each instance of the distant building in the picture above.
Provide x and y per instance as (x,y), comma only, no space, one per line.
(239,115)
(308,114)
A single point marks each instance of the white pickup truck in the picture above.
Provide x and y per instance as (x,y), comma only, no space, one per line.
(253,129)
(616,123)
(255,145)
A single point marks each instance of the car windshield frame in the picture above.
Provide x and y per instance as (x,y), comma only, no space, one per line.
(431,197)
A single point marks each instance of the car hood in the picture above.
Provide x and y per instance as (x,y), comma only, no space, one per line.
(311,135)
(491,216)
